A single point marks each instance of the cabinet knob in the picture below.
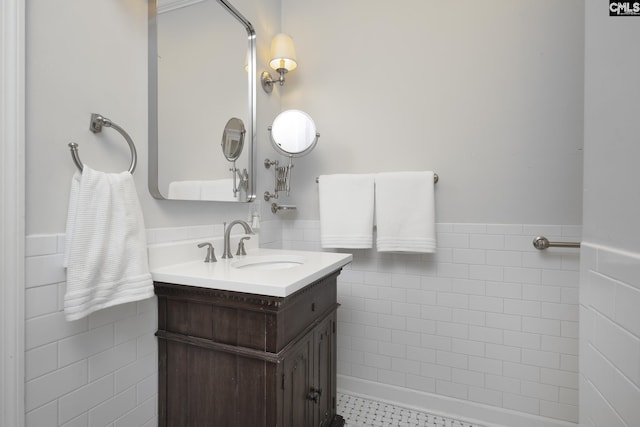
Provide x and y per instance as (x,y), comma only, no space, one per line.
(314,394)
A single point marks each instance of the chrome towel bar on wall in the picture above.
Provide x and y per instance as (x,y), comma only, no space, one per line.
(435,178)
(97,122)
(542,242)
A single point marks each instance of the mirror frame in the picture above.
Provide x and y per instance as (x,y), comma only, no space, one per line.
(153,100)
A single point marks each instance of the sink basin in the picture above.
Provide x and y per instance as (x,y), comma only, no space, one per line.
(269,262)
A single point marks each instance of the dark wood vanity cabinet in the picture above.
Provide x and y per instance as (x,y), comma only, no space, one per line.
(235,359)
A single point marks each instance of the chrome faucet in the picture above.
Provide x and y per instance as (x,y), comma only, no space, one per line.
(227,234)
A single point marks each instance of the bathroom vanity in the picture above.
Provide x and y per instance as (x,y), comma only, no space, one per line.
(230,355)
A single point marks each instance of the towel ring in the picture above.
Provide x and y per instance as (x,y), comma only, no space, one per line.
(97,122)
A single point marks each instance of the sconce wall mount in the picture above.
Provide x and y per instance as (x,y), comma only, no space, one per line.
(267,81)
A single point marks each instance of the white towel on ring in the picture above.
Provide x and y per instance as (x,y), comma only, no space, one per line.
(346,210)
(106,247)
(405,212)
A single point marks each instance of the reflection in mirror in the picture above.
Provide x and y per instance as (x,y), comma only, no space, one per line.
(232,142)
(293,133)
(233,139)
(201,72)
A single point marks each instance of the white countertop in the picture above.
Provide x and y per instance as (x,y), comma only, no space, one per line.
(228,274)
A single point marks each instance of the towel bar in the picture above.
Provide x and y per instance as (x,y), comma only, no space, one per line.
(542,242)
(97,122)
(275,208)
(436,178)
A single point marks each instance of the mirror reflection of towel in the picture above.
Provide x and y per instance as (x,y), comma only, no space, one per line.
(185,190)
(219,190)
(405,212)
(106,247)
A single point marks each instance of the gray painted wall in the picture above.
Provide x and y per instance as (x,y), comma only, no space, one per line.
(487,94)
(480,94)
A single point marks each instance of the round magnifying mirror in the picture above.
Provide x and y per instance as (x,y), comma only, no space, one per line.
(293,133)
(233,139)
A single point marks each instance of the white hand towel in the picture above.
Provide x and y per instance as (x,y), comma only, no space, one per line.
(346,210)
(106,248)
(405,212)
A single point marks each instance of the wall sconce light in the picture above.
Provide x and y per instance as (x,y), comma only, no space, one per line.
(283,60)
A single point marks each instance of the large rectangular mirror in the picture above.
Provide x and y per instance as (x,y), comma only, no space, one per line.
(202,75)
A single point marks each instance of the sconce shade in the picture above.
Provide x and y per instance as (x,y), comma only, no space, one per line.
(283,53)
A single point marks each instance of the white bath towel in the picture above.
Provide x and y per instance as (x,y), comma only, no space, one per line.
(106,248)
(405,212)
(346,210)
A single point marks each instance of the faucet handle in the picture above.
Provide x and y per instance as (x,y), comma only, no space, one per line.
(241,250)
(211,255)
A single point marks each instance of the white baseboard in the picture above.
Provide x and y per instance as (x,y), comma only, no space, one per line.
(462,410)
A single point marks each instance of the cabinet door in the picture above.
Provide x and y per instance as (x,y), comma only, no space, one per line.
(298,371)
(202,387)
(324,372)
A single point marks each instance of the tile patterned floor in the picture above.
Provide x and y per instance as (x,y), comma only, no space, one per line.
(359,412)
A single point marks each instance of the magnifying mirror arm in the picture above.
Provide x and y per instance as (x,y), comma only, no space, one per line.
(282,178)
(243,177)
(286,175)
(233,171)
